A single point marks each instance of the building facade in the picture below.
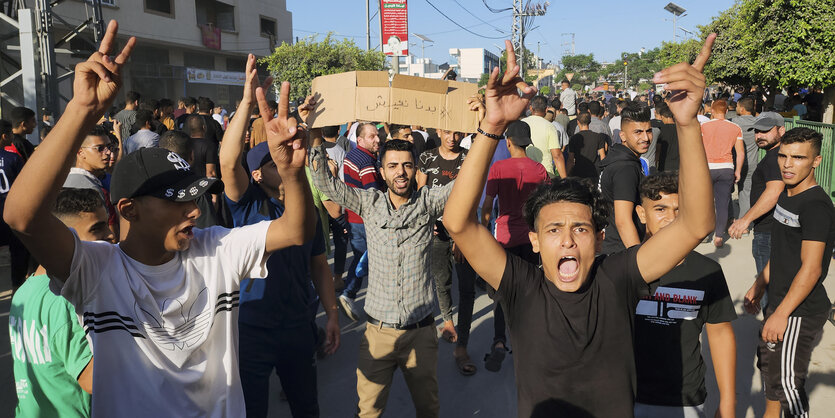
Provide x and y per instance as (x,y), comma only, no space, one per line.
(473,62)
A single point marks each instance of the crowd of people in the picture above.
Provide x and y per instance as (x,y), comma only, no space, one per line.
(187,249)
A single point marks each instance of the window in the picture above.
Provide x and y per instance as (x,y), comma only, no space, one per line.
(198,60)
(235,64)
(215,13)
(105,2)
(164,7)
(268,27)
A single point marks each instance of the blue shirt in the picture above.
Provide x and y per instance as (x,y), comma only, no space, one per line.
(286,298)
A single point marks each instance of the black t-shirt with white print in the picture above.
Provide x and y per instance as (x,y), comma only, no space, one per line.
(440,172)
(671,371)
(767,170)
(807,216)
(573,351)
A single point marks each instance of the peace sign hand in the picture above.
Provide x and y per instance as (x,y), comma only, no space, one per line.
(286,141)
(687,83)
(502,101)
(98,79)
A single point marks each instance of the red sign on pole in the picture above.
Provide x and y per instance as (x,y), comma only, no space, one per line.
(394,27)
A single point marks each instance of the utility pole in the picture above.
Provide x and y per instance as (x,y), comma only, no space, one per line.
(367,27)
(523,15)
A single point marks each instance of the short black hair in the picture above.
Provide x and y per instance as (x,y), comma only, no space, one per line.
(555,103)
(662,182)
(595,108)
(20,115)
(149,104)
(584,118)
(395,128)
(133,96)
(272,104)
(539,103)
(189,101)
(99,130)
(143,116)
(163,103)
(663,110)
(746,103)
(5,127)
(205,104)
(569,189)
(398,145)
(178,142)
(72,202)
(799,135)
(565,81)
(582,107)
(330,131)
(635,112)
(195,124)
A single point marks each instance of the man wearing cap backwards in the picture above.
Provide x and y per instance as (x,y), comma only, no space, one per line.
(511,180)
(766,186)
(159,308)
(571,318)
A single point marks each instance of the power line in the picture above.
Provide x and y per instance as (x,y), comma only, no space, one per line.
(459,25)
(456,30)
(479,19)
(495,10)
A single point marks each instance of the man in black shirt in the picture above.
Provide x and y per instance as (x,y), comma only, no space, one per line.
(620,176)
(694,294)
(802,239)
(585,149)
(766,186)
(571,319)
(667,139)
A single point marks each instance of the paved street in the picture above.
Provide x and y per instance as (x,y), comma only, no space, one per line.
(493,394)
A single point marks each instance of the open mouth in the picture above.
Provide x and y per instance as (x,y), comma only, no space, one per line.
(569,268)
(401,182)
(788,175)
(187,232)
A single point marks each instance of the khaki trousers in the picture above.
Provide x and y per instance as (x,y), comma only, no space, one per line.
(383,350)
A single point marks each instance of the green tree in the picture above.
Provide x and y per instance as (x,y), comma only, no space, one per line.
(307,59)
(483,80)
(545,91)
(585,68)
(640,66)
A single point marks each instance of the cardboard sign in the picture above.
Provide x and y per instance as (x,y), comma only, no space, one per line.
(367,96)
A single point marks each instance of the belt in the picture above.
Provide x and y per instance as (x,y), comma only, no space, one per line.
(425,322)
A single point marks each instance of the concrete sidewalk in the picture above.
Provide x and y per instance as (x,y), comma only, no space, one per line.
(489,394)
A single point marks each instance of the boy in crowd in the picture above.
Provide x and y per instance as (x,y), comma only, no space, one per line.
(693,295)
(620,177)
(571,318)
(54,373)
(511,180)
(23,123)
(277,315)
(585,149)
(802,239)
(164,301)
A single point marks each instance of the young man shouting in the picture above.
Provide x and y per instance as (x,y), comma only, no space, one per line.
(160,308)
(693,295)
(801,246)
(571,319)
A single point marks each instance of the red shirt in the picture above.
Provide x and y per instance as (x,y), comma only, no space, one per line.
(513,180)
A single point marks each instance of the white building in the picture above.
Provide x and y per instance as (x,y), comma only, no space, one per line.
(173,35)
(473,62)
(419,67)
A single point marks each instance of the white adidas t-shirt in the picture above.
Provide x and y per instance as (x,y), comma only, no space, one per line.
(165,338)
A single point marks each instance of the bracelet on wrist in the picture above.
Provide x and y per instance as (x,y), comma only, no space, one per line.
(491,136)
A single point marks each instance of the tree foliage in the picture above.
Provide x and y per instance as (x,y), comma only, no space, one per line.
(584,67)
(779,43)
(307,59)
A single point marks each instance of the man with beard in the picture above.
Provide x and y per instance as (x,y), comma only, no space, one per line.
(400,301)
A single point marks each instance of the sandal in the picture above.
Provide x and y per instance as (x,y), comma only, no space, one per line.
(493,360)
(465,365)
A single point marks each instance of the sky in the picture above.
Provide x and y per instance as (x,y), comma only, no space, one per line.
(602,27)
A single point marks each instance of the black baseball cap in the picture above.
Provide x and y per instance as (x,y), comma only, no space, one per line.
(159,173)
(519,133)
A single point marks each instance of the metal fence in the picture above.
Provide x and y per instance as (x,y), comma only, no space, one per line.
(825,173)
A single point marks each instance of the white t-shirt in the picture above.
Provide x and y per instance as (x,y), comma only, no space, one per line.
(165,338)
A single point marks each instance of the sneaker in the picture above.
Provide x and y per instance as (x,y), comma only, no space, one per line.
(348,307)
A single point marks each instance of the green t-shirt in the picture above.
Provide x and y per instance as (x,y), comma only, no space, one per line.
(49,350)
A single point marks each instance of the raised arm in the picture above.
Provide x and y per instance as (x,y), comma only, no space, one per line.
(235,178)
(29,203)
(503,105)
(288,147)
(668,247)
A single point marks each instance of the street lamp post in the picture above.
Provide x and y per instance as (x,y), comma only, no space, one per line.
(677,12)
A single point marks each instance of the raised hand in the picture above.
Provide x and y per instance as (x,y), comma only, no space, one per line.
(252,81)
(285,139)
(502,101)
(98,79)
(687,84)
(476,103)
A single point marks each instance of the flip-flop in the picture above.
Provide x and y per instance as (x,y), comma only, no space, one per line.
(465,365)
(493,360)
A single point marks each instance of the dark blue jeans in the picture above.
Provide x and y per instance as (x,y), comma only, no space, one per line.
(358,245)
(292,353)
(761,249)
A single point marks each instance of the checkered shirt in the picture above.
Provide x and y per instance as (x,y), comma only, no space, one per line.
(400,287)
